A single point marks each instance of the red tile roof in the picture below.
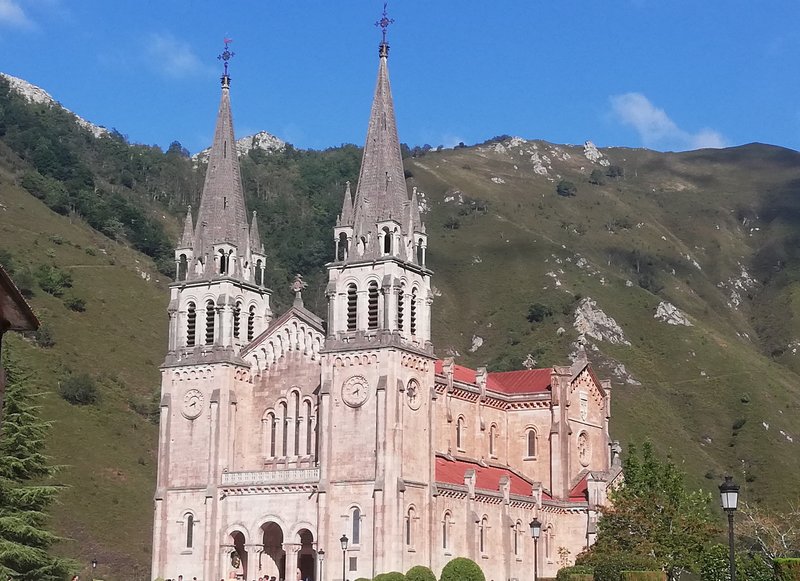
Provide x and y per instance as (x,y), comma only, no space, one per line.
(507,382)
(488,477)
(580,490)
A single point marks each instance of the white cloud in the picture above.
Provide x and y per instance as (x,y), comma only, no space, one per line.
(655,127)
(12,14)
(173,57)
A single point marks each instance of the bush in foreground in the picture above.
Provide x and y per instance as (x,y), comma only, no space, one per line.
(420,573)
(462,569)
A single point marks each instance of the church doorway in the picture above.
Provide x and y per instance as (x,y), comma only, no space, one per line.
(307,558)
(273,558)
(238,557)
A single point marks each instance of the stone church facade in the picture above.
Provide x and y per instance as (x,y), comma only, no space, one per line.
(279,434)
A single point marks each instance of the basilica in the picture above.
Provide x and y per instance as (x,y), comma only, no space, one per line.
(300,448)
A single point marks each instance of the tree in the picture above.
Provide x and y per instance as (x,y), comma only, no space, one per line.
(597,177)
(653,517)
(78,389)
(538,312)
(775,534)
(24,537)
(615,171)
(462,569)
(566,188)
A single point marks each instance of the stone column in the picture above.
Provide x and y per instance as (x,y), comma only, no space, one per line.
(292,550)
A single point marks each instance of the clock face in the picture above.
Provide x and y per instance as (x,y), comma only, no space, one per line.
(192,404)
(355,391)
(413,394)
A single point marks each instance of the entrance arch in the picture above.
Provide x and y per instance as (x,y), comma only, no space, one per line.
(238,556)
(273,558)
(307,556)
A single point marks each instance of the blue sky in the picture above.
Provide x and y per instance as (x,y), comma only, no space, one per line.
(670,75)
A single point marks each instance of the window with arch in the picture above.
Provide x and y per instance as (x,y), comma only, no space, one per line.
(309,430)
(372,305)
(530,443)
(413,312)
(272,430)
(189,530)
(211,315)
(400,304)
(237,312)
(352,307)
(493,440)
(420,253)
(355,517)
(482,530)
(183,267)
(387,241)
(460,433)
(259,272)
(223,262)
(446,530)
(341,247)
(297,423)
(548,542)
(191,324)
(285,421)
(251,323)
(410,517)
(517,538)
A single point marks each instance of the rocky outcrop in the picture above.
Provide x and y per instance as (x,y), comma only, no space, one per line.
(671,315)
(591,321)
(261,140)
(594,155)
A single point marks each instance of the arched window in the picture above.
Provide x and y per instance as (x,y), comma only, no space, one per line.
(183,267)
(356,518)
(251,323)
(237,311)
(223,262)
(189,530)
(272,427)
(341,247)
(446,531)
(460,433)
(309,430)
(420,253)
(191,324)
(413,312)
(211,314)
(482,529)
(297,422)
(410,527)
(400,304)
(285,420)
(259,272)
(548,542)
(352,307)
(372,305)
(517,534)
(492,440)
(530,443)
(387,241)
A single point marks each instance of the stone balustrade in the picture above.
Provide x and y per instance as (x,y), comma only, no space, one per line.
(285,476)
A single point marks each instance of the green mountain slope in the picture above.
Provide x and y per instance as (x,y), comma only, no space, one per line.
(713,232)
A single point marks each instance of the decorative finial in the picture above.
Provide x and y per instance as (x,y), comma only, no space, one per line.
(384,23)
(226,55)
(297,286)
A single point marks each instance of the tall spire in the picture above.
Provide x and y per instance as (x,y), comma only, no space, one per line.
(187,239)
(381,192)
(255,237)
(222,217)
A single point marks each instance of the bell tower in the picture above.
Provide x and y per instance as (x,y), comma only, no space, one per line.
(378,365)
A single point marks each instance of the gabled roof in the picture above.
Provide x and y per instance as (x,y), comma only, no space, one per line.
(580,490)
(15,312)
(300,312)
(524,381)
(487,477)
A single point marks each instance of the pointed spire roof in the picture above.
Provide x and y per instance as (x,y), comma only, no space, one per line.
(222,217)
(346,217)
(381,192)
(187,238)
(255,238)
(414,219)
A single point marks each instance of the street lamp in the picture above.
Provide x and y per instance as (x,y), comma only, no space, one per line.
(343,541)
(321,555)
(536,531)
(729,498)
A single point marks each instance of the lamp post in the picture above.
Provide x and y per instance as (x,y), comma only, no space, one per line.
(343,541)
(729,498)
(536,530)
(321,555)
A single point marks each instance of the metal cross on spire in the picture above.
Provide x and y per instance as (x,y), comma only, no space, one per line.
(226,55)
(384,23)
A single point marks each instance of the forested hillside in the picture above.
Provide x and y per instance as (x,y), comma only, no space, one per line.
(679,272)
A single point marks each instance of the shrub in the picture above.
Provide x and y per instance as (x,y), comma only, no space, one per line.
(390,576)
(76,304)
(420,573)
(25,282)
(644,576)
(615,171)
(363,579)
(787,569)
(53,280)
(452,223)
(609,566)
(570,573)
(538,312)
(43,336)
(597,177)
(78,389)
(566,188)
(462,569)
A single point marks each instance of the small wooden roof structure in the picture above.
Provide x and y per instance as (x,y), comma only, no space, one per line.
(15,312)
